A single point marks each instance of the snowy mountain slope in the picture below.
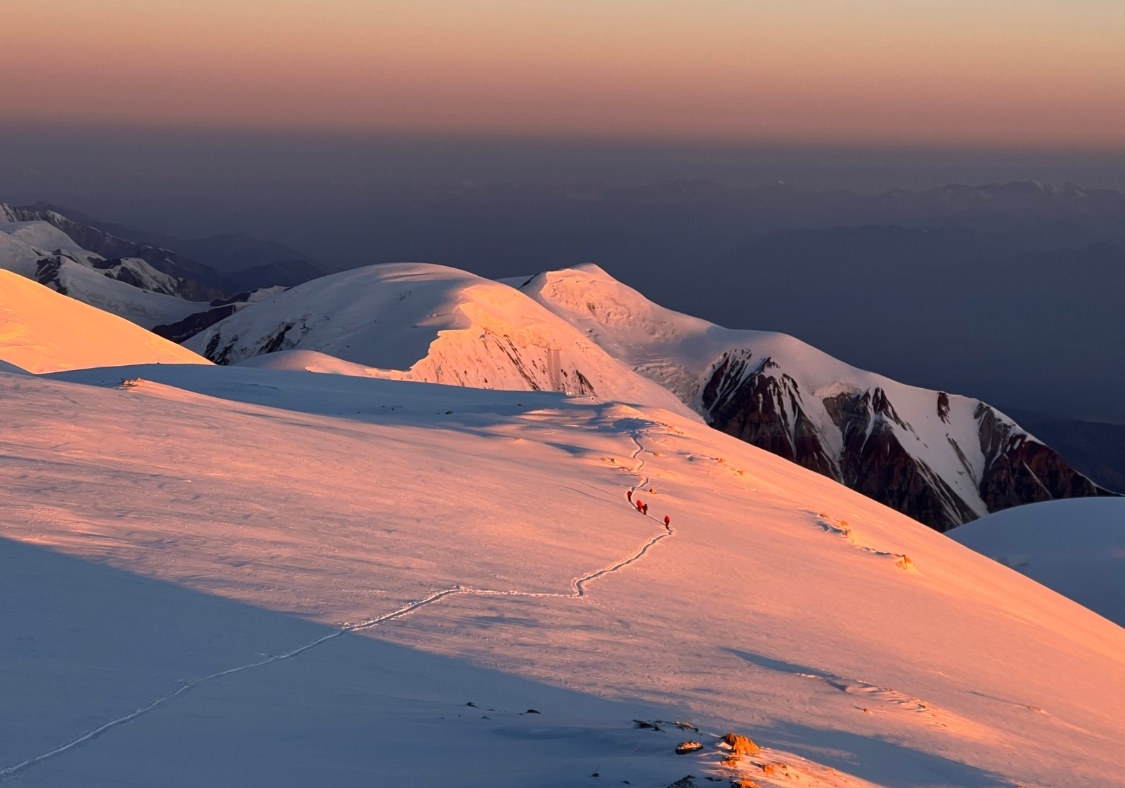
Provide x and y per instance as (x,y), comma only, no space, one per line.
(127,287)
(42,331)
(941,458)
(218,309)
(311,361)
(207,268)
(1074,547)
(194,281)
(481,546)
(433,324)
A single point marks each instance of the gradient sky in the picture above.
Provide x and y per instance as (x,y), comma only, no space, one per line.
(988,73)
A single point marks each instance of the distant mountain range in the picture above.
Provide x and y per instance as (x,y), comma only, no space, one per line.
(150,285)
(208,268)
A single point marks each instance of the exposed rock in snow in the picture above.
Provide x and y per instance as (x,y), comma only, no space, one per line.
(741,745)
(941,458)
(43,331)
(432,324)
(220,309)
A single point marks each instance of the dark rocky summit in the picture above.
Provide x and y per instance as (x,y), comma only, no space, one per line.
(756,401)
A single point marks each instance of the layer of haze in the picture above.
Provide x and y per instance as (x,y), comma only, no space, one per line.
(1017,303)
(366,131)
(955,73)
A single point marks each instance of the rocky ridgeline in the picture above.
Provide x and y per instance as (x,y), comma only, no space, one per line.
(757,402)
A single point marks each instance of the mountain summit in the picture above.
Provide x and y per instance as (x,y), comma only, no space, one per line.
(941,458)
(431,324)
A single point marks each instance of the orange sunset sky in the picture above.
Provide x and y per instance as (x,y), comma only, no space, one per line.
(987,73)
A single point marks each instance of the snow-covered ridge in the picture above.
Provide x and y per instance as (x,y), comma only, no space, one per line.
(431,324)
(1075,547)
(43,331)
(944,459)
(127,287)
(36,245)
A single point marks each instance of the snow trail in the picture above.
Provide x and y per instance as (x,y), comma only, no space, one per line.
(85,737)
(580,583)
(578,586)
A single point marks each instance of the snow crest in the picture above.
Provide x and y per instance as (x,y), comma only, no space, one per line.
(433,324)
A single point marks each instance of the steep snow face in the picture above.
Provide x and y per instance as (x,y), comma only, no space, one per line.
(127,287)
(432,324)
(482,548)
(42,331)
(1074,547)
(943,459)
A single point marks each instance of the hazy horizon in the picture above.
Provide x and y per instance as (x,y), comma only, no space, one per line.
(353,133)
(1043,75)
(53,161)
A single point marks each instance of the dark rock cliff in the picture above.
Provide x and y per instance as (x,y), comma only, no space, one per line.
(756,401)
(1021,470)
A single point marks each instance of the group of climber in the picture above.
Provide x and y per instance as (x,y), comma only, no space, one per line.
(642,507)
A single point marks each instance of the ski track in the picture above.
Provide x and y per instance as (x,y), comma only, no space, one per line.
(578,586)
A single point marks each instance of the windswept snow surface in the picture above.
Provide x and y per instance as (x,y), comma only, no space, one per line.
(1075,547)
(42,331)
(432,324)
(129,288)
(819,400)
(311,361)
(254,577)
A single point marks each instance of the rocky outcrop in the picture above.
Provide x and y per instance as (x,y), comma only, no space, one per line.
(759,406)
(941,458)
(865,444)
(47,273)
(741,745)
(1022,470)
(192,324)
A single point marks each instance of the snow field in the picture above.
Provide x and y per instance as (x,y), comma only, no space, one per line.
(1075,547)
(341,499)
(43,331)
